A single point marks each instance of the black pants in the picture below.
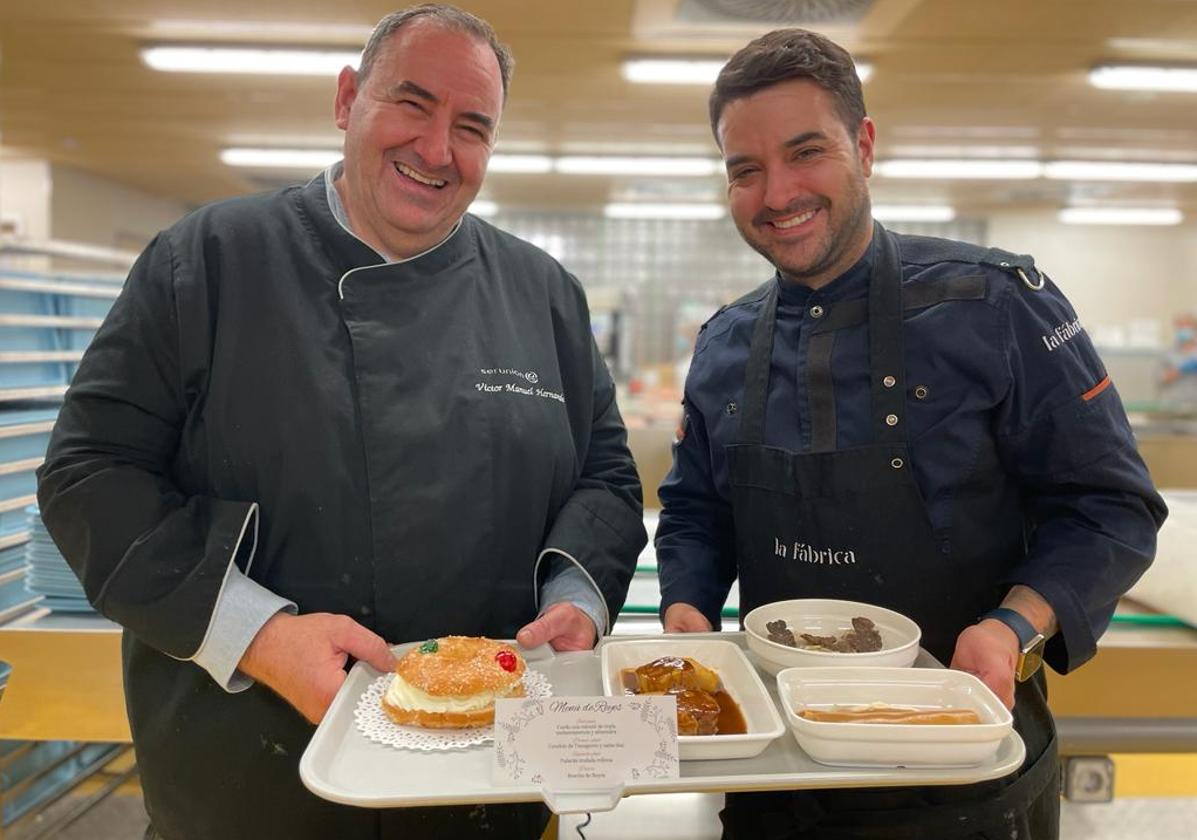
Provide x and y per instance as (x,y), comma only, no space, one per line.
(504,822)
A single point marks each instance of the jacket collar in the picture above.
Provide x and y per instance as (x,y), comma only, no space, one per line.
(852,283)
(349,252)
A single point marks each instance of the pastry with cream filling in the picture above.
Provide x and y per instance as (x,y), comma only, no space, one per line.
(453,682)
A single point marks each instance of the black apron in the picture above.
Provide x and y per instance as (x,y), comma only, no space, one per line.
(851,524)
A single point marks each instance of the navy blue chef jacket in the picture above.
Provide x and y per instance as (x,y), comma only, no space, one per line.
(991,363)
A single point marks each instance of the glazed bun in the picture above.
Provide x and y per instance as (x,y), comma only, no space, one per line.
(453,682)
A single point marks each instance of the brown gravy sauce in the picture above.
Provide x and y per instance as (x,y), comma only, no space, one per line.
(731,719)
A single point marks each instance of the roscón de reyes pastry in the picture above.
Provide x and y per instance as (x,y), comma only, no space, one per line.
(453,682)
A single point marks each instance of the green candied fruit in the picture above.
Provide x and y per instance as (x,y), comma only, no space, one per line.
(430,646)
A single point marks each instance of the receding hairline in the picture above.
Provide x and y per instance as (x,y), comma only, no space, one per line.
(448,19)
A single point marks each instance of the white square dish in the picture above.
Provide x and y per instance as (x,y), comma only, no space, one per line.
(740,680)
(893,744)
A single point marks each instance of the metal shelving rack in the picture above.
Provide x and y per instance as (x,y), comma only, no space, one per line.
(53,297)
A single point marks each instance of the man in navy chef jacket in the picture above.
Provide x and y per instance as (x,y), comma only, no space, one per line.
(340,414)
(901,420)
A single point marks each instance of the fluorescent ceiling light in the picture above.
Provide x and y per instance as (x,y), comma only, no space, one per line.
(528,164)
(663,211)
(482,207)
(913,213)
(691,71)
(262,60)
(672,71)
(1142,77)
(1121,216)
(1097,170)
(959,169)
(281,158)
(613,165)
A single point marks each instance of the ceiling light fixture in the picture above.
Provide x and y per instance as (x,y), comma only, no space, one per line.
(691,71)
(959,169)
(281,158)
(672,71)
(913,213)
(1144,77)
(526,164)
(1121,216)
(645,210)
(614,165)
(1100,170)
(257,60)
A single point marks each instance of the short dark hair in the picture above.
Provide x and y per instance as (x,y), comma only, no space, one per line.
(786,54)
(447,16)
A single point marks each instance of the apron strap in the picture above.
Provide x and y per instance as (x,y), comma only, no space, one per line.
(887,364)
(756,374)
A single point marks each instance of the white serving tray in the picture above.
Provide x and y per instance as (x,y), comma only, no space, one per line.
(341,765)
(739,678)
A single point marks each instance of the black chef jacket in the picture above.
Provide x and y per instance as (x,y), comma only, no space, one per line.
(392,442)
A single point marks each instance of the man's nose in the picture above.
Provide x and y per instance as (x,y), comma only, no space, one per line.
(781,188)
(433,145)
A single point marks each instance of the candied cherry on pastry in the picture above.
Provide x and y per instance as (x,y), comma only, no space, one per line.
(506,660)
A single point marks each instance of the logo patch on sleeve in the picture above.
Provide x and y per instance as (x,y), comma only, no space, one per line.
(1062,333)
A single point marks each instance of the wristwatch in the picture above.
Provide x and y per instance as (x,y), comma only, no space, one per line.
(1030,641)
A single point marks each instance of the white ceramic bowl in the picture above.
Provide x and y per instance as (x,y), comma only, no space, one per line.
(824,617)
(893,744)
(739,678)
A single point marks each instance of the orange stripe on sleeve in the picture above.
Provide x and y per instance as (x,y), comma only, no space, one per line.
(1096,389)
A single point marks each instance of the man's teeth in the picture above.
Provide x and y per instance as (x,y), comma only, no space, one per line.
(416,176)
(794,220)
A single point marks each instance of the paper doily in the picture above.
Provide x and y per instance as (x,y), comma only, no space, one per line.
(373,722)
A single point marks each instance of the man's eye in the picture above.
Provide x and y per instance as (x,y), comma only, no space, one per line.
(806,153)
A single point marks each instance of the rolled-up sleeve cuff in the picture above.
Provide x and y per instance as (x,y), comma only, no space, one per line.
(244,606)
(568,582)
(1075,641)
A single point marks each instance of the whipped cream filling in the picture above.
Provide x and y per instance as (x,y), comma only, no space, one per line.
(404,695)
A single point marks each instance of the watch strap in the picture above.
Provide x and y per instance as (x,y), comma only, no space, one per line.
(1013,619)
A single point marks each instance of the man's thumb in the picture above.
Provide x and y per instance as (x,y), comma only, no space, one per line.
(369,647)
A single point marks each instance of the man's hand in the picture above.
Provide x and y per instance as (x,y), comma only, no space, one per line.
(683,618)
(302,657)
(990,651)
(563,626)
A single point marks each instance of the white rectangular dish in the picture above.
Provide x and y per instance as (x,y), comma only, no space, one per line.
(857,744)
(342,765)
(739,678)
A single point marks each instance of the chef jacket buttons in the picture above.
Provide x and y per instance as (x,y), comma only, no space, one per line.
(896,463)
(732,408)
(920,391)
(891,419)
(816,311)
(889,382)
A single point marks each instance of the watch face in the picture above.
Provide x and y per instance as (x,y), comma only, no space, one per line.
(1031,659)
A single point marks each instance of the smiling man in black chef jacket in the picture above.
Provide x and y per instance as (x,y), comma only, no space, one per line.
(333,417)
(924,424)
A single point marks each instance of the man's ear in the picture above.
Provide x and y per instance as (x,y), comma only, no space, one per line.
(346,94)
(866,136)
